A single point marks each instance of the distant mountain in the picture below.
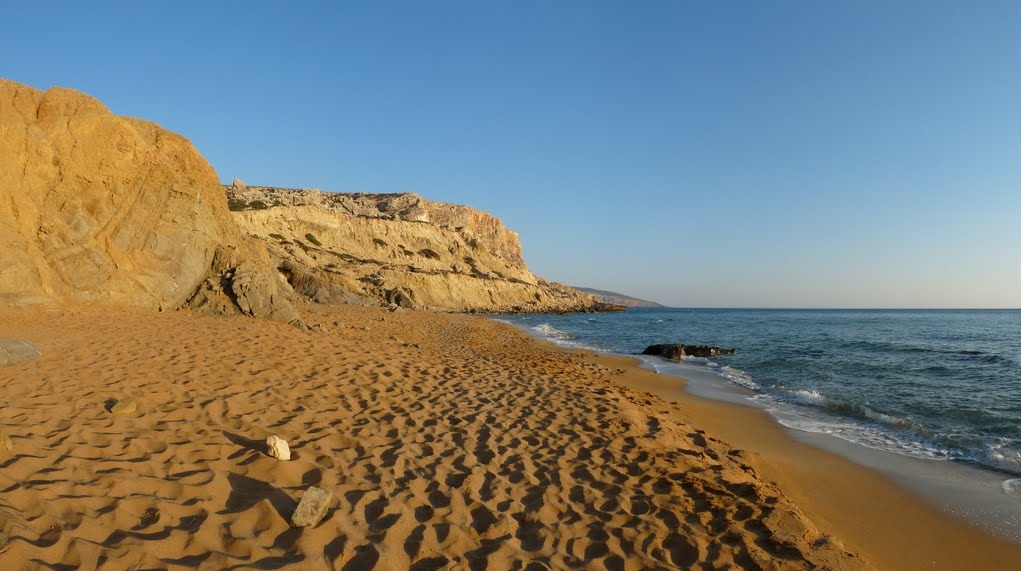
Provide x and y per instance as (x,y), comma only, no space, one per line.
(618,298)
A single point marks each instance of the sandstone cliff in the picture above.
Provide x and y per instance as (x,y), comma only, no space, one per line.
(97,207)
(397,248)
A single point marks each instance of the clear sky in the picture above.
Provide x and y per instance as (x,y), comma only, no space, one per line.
(854,153)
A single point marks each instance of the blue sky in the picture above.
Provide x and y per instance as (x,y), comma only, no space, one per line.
(768,154)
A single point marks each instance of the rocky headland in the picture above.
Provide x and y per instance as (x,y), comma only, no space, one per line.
(397,249)
(99,208)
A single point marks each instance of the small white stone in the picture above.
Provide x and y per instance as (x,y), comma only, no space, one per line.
(278,448)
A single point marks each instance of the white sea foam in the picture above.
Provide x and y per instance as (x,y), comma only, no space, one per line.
(885,418)
(561,338)
(1012,487)
(547,330)
(738,376)
(864,435)
(813,398)
(1010,460)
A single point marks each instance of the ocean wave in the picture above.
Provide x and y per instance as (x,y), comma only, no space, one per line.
(964,355)
(875,433)
(561,338)
(811,410)
(1012,487)
(812,398)
(1003,457)
(884,418)
(738,376)
(547,330)
(870,436)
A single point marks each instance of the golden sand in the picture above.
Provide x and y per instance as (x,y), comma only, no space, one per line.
(448,441)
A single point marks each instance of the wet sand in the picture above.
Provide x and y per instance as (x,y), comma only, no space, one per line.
(448,441)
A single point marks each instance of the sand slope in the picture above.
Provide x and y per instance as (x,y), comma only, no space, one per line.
(477,449)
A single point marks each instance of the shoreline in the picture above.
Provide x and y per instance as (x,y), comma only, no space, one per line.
(977,494)
(973,494)
(919,488)
(866,509)
(449,442)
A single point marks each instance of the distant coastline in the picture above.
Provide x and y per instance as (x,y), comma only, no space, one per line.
(617,298)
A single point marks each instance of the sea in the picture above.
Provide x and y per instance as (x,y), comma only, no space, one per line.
(941,385)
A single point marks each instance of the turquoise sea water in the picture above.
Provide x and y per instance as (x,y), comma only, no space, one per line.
(939,384)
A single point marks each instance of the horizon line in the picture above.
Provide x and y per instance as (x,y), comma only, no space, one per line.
(832,308)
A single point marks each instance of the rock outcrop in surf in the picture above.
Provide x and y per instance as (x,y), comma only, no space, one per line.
(677,351)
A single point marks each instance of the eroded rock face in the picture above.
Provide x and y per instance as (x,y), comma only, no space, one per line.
(241,281)
(397,249)
(97,207)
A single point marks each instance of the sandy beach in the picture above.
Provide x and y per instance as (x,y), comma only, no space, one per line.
(447,441)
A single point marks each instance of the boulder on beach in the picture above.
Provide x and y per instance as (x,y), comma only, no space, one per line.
(312,507)
(95,207)
(677,351)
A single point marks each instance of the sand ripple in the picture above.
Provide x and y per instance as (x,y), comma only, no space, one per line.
(476,449)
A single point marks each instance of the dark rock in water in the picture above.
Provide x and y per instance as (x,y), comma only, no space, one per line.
(677,351)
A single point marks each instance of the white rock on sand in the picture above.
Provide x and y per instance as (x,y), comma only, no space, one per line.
(277,448)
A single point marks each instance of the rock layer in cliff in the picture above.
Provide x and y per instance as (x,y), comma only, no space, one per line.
(397,249)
